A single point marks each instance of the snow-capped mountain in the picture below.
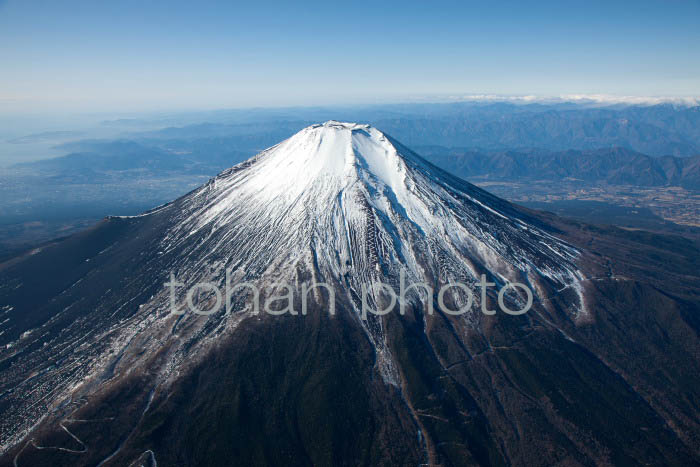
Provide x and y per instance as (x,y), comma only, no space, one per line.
(353,198)
(90,338)
(350,205)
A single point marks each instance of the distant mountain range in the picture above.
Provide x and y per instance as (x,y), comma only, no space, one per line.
(616,166)
(657,130)
(96,157)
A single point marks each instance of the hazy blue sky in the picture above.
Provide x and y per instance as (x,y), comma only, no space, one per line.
(98,55)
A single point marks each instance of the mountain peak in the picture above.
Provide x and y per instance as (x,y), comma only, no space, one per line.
(327,157)
(338,140)
(336,125)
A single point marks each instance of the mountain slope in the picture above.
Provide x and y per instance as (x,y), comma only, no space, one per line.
(97,370)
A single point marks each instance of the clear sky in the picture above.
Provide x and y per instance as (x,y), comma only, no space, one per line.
(103,55)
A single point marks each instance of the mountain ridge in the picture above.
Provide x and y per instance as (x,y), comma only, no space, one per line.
(615,166)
